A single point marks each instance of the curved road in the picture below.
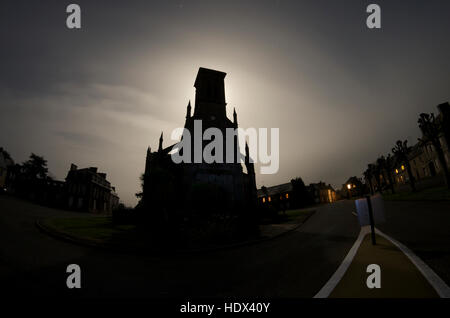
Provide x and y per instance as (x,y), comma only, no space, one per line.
(295,265)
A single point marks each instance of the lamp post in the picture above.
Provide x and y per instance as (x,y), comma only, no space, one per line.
(349,186)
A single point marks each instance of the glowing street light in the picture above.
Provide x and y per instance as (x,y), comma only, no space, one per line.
(349,187)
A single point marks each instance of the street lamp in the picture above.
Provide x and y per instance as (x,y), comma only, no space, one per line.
(349,186)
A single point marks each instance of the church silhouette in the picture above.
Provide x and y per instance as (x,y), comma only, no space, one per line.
(188,190)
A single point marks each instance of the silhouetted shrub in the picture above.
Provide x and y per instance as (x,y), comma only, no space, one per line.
(123,215)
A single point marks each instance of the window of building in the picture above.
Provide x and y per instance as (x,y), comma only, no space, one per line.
(264,200)
(403,168)
(287,195)
(269,199)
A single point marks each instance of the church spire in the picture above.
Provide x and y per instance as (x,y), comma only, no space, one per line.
(147,160)
(160,148)
(248,163)
(188,112)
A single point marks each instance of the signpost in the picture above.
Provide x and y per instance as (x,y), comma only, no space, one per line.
(372,222)
(370,210)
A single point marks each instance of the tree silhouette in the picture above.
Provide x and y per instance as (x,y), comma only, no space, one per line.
(385,165)
(401,151)
(431,130)
(368,174)
(300,193)
(388,165)
(35,167)
(5,153)
(377,169)
(381,164)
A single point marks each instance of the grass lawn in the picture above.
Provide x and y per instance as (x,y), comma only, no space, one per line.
(432,194)
(94,228)
(101,230)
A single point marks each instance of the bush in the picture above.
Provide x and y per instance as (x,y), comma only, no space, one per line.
(123,215)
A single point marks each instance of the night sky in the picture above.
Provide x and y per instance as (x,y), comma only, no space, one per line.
(340,93)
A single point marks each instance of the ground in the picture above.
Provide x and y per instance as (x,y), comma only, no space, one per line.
(102,232)
(296,265)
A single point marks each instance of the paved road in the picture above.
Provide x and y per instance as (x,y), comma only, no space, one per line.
(295,265)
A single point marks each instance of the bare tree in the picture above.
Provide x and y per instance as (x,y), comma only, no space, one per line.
(377,172)
(431,130)
(388,167)
(368,174)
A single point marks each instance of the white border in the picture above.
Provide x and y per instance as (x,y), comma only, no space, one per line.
(337,276)
(435,281)
(438,284)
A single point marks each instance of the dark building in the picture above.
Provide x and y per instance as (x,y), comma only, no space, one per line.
(88,190)
(295,195)
(279,196)
(193,186)
(353,187)
(422,157)
(322,192)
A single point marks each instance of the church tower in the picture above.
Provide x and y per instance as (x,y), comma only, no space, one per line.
(190,177)
(210,95)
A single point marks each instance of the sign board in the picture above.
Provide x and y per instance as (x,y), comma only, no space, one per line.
(362,209)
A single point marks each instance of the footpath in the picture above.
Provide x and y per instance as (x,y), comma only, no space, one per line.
(385,270)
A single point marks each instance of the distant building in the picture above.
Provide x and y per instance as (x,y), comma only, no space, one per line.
(286,196)
(88,190)
(417,160)
(114,199)
(276,196)
(51,193)
(423,157)
(353,187)
(431,165)
(322,192)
